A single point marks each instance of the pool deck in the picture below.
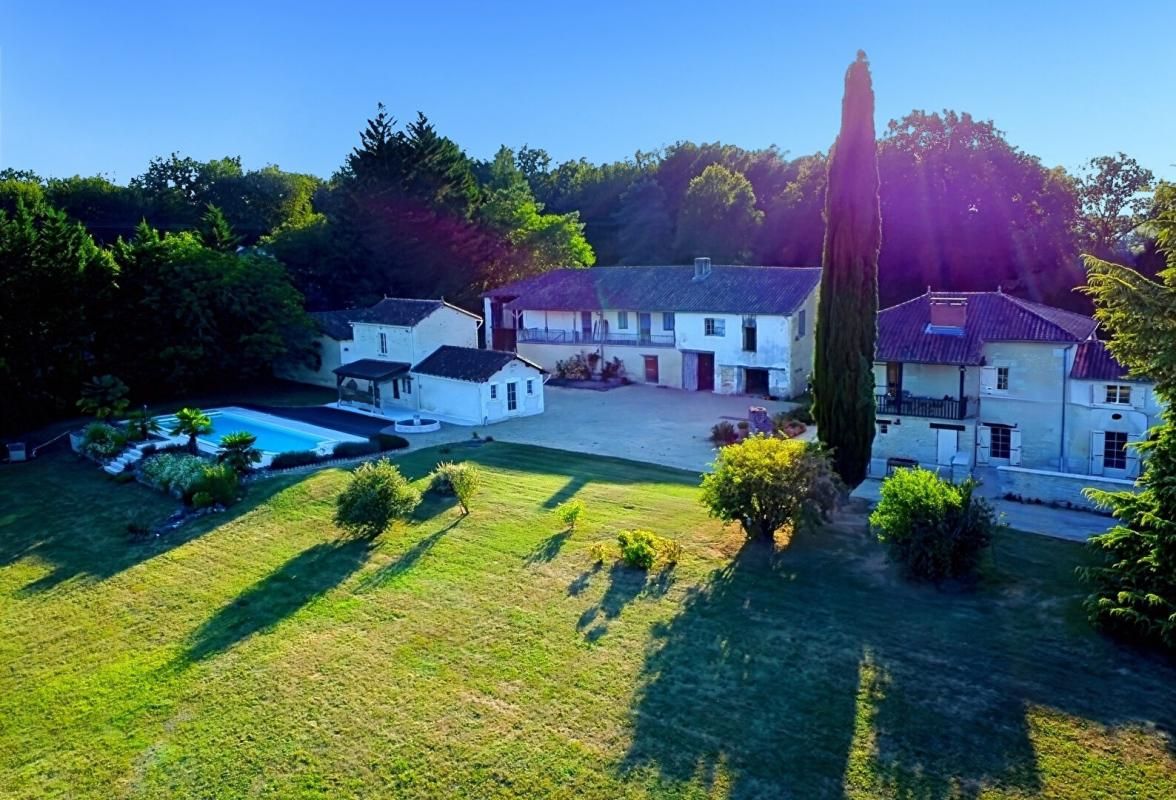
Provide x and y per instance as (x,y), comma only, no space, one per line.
(332,418)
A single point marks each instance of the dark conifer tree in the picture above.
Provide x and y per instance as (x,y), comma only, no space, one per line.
(843,381)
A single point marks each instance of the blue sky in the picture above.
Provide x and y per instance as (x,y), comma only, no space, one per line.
(103,87)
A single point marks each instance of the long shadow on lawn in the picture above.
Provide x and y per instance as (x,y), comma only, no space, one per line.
(68,514)
(549,548)
(387,574)
(784,668)
(625,585)
(280,594)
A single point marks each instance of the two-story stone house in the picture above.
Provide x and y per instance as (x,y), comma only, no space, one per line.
(973,379)
(405,356)
(724,329)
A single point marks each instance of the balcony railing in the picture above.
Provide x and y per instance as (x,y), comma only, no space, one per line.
(639,339)
(939,407)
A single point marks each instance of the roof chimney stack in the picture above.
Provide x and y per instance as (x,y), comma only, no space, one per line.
(702,268)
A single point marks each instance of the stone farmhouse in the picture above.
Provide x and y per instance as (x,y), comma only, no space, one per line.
(725,329)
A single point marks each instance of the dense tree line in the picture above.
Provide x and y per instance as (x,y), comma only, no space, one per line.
(218,258)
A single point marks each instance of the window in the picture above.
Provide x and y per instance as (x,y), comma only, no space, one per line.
(494,391)
(667,320)
(622,320)
(512,396)
(1002,441)
(749,338)
(383,343)
(1002,379)
(1115,450)
(800,326)
(1118,394)
(714,327)
(530,386)
(407,383)
(883,426)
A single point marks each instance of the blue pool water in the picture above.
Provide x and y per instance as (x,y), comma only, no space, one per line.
(270,438)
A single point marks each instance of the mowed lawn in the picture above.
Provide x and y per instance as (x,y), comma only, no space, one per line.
(261,653)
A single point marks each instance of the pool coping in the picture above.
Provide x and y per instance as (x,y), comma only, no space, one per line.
(326,438)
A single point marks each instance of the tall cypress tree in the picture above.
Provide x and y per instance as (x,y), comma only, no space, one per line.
(843,381)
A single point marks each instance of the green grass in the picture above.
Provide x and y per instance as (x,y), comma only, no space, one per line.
(261,654)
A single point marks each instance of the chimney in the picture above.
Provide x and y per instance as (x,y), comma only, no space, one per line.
(702,268)
(949,312)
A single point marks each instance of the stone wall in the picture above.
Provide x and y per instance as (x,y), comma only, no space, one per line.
(1057,488)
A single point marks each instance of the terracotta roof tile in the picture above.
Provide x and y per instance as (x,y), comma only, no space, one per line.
(1094,362)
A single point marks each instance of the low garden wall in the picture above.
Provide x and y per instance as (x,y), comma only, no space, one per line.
(1062,489)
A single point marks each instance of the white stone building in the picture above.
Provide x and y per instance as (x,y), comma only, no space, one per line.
(403,357)
(726,329)
(966,380)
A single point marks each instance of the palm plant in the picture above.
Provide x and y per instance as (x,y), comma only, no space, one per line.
(191,422)
(140,425)
(238,452)
(104,396)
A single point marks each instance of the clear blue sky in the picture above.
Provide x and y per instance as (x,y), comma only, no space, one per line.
(91,87)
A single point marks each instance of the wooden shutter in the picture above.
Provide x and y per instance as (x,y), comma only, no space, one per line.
(987,380)
(1133,454)
(1014,448)
(984,440)
(1097,446)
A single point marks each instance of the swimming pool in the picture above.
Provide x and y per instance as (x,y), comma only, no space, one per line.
(274,434)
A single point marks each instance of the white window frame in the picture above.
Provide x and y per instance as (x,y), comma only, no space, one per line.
(1002,379)
(713,326)
(530,386)
(1004,433)
(668,321)
(1120,454)
(1117,394)
(512,396)
(800,324)
(622,320)
(406,385)
(383,343)
(494,391)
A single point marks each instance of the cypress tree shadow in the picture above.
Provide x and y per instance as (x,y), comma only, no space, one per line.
(625,584)
(280,594)
(549,548)
(566,492)
(389,573)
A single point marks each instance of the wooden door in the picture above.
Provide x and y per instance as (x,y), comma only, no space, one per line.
(651,373)
(706,372)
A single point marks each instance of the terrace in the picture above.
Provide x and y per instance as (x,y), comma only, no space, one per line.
(638,339)
(909,405)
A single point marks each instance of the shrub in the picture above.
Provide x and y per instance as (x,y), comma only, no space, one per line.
(376,495)
(612,369)
(140,425)
(743,425)
(641,549)
(238,452)
(764,483)
(191,422)
(174,472)
(104,396)
(459,479)
(723,433)
(202,500)
(294,458)
(102,441)
(575,368)
(934,528)
(353,449)
(220,482)
(390,441)
(569,513)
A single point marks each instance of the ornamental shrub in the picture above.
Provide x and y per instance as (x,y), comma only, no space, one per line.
(238,452)
(641,549)
(934,528)
(723,433)
(569,513)
(765,483)
(460,479)
(390,441)
(103,442)
(202,500)
(220,482)
(294,458)
(353,449)
(376,495)
(177,473)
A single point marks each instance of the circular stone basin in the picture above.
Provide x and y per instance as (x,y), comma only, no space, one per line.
(416,425)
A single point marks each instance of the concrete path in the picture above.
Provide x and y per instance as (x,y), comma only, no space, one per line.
(1060,523)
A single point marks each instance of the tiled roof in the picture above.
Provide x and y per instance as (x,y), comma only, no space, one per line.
(336,324)
(1094,362)
(467,363)
(400,311)
(371,369)
(991,317)
(727,289)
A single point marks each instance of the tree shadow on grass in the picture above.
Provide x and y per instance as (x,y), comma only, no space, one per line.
(280,594)
(625,584)
(549,548)
(407,560)
(566,492)
(69,515)
(798,674)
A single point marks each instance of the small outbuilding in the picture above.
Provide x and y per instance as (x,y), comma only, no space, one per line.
(478,387)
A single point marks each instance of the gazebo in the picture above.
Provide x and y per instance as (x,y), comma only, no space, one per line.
(372,370)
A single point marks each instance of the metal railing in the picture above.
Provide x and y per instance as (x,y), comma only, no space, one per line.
(939,407)
(638,339)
